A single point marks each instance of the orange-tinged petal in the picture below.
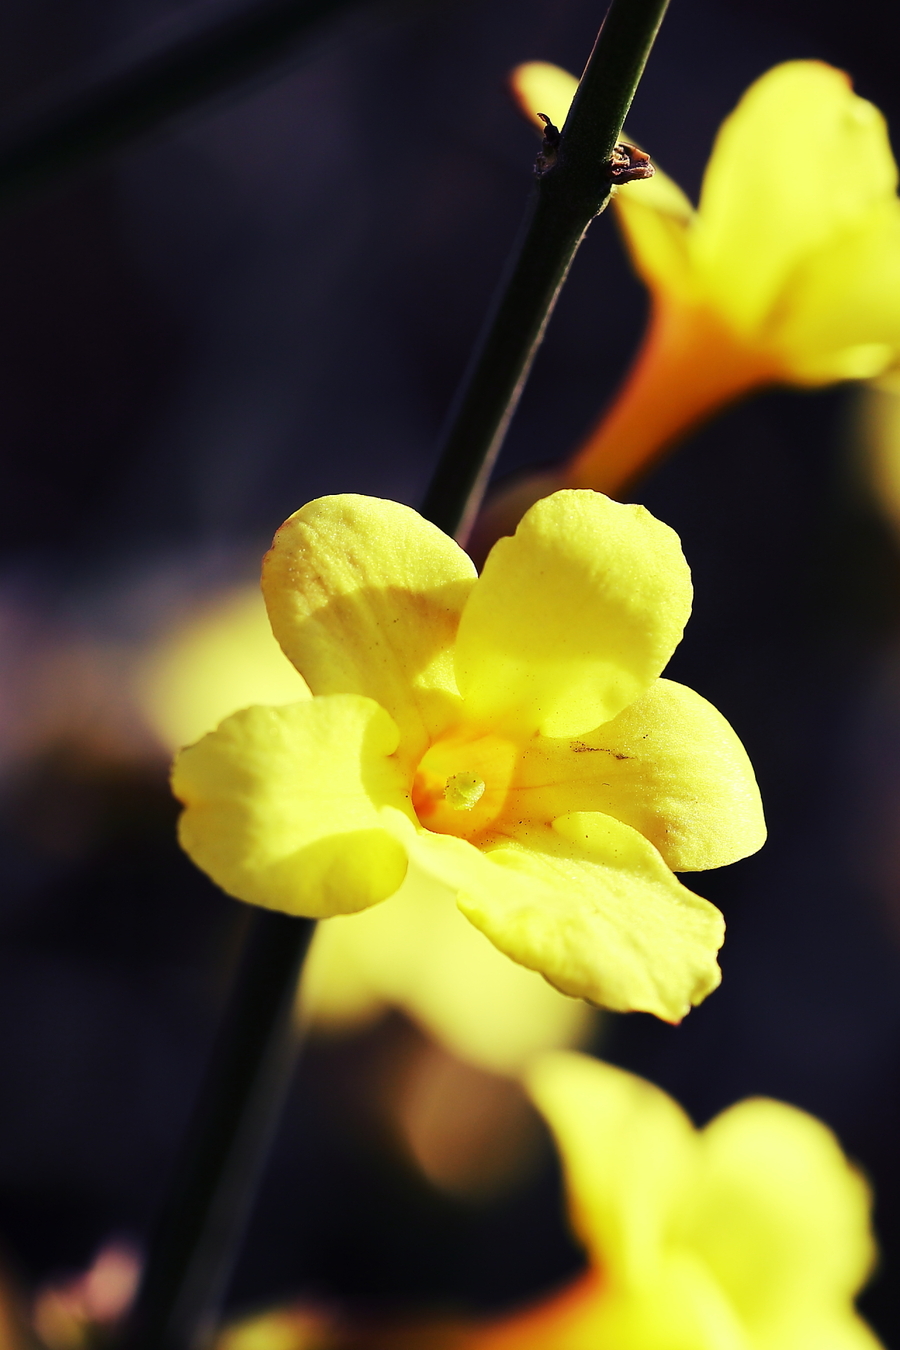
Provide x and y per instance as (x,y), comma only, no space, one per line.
(284,807)
(681,1310)
(690,364)
(573,617)
(591,906)
(364,597)
(669,765)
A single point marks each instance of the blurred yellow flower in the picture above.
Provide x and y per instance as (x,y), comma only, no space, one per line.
(420,954)
(750,1234)
(282,1329)
(788,272)
(217,661)
(505,739)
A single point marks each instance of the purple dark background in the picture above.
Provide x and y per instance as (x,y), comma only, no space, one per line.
(273,300)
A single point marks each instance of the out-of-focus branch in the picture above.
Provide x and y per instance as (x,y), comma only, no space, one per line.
(134,102)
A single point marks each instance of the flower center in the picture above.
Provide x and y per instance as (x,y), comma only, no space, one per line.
(461,785)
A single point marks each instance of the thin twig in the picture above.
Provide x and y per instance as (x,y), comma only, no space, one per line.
(194,1245)
(569,193)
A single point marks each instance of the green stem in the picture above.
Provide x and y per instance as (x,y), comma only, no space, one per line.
(191,1254)
(567,198)
(129,105)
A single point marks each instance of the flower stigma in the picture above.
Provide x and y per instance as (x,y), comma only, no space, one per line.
(462,783)
(463,790)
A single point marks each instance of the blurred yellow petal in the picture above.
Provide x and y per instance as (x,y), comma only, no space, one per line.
(573,617)
(541,87)
(630,1157)
(592,906)
(801,160)
(661,193)
(656,224)
(683,1309)
(669,765)
(212,665)
(364,597)
(781,1218)
(752,1234)
(843,321)
(284,806)
(420,954)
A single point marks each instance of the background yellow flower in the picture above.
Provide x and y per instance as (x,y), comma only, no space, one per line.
(750,1234)
(787,272)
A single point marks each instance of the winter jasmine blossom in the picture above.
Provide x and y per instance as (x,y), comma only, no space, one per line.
(788,271)
(504,739)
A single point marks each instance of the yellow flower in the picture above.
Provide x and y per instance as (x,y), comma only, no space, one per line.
(788,272)
(750,1234)
(419,953)
(504,738)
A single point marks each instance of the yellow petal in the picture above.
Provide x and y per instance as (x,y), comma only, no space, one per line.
(840,319)
(283,806)
(669,765)
(364,597)
(630,1157)
(592,907)
(541,87)
(800,160)
(573,617)
(782,1219)
(420,954)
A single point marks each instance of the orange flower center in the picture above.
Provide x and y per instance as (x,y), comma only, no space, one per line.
(462,783)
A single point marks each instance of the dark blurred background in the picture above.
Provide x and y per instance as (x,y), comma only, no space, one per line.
(270,298)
